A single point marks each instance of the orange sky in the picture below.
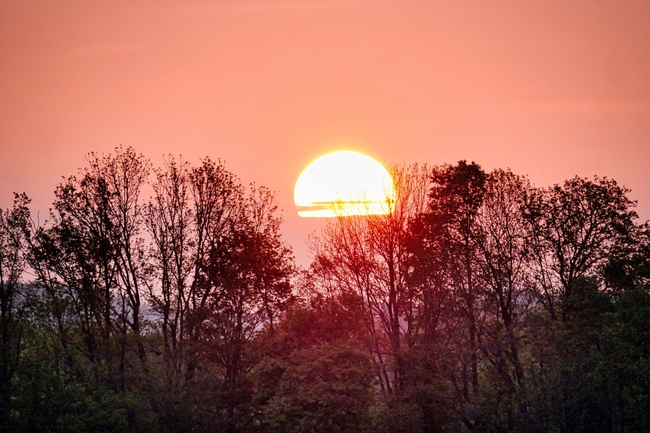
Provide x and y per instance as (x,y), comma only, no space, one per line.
(548,88)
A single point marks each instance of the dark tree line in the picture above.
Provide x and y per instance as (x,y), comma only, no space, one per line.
(164,300)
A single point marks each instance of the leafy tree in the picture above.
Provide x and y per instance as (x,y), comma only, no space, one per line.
(317,373)
(501,241)
(90,258)
(455,198)
(325,388)
(478,303)
(248,275)
(576,227)
(13,223)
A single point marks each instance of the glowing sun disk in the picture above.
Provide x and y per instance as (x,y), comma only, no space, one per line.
(344,183)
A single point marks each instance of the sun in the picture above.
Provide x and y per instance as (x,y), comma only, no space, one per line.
(344,183)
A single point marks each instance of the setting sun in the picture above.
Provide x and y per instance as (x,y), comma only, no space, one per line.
(344,183)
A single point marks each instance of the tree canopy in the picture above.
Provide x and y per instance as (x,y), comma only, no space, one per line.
(479,303)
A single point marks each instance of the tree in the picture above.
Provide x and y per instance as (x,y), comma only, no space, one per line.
(248,277)
(473,260)
(456,195)
(170,221)
(90,259)
(219,274)
(503,260)
(216,203)
(575,228)
(13,224)
(317,372)
(325,388)
(369,255)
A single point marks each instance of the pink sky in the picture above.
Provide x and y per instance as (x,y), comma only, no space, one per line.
(550,89)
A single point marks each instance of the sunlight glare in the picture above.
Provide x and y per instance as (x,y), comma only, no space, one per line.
(344,183)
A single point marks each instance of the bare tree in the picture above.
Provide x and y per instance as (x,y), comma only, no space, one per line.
(370,256)
(171,225)
(219,271)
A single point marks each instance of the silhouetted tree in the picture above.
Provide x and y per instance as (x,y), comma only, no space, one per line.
(90,259)
(248,276)
(369,255)
(455,198)
(173,260)
(479,302)
(13,223)
(502,239)
(576,227)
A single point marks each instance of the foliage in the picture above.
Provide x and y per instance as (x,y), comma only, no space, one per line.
(480,303)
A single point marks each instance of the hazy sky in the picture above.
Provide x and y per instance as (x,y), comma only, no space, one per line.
(550,89)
